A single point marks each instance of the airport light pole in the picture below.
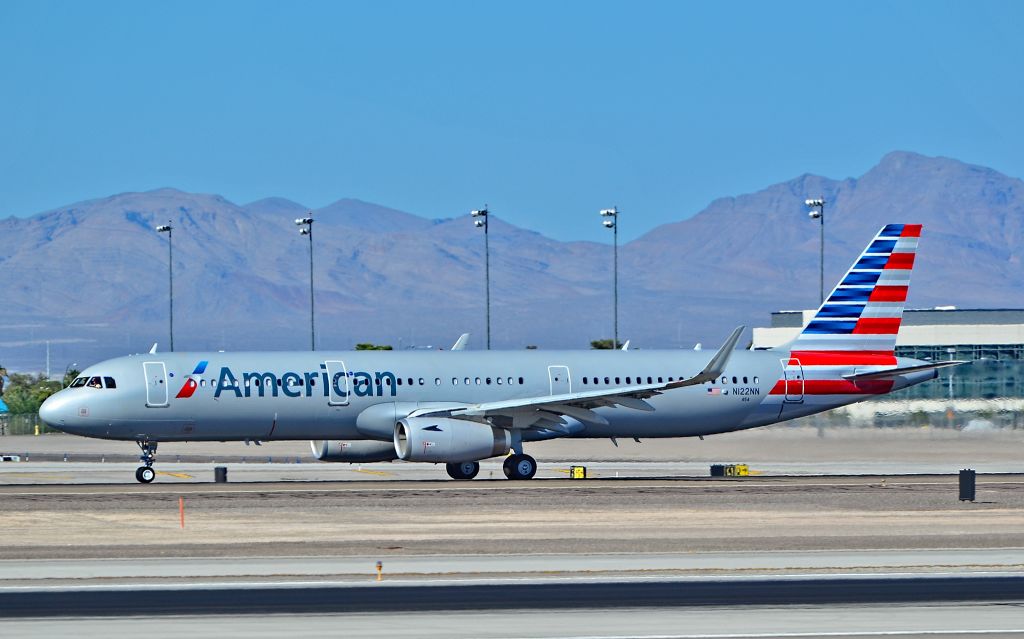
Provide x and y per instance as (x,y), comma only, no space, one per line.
(167,228)
(818,213)
(483,221)
(305,225)
(612,222)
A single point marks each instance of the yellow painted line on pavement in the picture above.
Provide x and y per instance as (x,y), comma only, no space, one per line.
(178,475)
(382,473)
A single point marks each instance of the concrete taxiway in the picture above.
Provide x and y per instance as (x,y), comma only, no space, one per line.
(849,508)
(22,574)
(906,621)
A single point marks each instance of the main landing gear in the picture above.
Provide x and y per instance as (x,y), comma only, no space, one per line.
(145,473)
(520,466)
(516,466)
(464,470)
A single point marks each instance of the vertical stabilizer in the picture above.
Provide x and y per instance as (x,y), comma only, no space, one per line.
(862,314)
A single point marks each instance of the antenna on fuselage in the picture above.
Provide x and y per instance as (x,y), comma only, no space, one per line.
(153,350)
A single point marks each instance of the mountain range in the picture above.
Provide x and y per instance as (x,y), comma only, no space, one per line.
(91,278)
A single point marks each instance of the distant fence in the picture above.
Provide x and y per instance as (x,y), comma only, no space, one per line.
(23,425)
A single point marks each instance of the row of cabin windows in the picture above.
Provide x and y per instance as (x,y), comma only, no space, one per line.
(408,381)
(94,382)
(661,380)
(468,381)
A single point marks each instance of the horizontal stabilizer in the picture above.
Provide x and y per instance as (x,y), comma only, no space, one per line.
(892,373)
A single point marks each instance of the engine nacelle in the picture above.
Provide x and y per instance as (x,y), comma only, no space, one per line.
(334,450)
(442,439)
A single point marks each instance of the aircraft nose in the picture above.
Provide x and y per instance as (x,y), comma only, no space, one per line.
(53,411)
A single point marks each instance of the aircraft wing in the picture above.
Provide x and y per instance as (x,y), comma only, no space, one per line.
(546,411)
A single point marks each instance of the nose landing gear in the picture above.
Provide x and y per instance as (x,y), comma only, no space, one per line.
(145,473)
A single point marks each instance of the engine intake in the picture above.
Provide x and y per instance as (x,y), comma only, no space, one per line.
(442,439)
(334,450)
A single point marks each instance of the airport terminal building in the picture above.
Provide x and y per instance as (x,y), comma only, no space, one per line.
(992,340)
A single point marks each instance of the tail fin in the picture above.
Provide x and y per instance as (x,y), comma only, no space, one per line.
(863,312)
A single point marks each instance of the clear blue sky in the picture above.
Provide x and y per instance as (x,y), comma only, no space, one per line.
(548,111)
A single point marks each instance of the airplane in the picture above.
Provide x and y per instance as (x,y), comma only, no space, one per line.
(458,407)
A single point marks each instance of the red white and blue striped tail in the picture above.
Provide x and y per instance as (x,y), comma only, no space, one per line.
(862,315)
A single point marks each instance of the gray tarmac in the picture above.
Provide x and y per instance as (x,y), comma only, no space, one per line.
(992,621)
(45,573)
(849,505)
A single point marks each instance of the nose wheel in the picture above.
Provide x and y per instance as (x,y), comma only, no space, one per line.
(145,474)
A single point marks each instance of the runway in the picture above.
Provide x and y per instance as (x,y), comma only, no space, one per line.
(503,595)
(906,621)
(661,550)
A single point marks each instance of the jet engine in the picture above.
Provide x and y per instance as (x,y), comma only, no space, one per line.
(442,439)
(353,452)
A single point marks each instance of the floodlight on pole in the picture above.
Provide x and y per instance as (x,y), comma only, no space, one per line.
(168,229)
(818,213)
(612,222)
(305,225)
(481,221)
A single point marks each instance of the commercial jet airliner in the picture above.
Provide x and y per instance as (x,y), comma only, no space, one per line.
(458,407)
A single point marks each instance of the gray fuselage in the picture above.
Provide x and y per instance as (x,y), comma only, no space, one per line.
(359,394)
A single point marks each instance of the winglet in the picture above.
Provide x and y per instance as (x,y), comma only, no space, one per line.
(460,344)
(717,364)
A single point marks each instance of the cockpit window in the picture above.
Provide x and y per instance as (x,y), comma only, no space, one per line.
(94,382)
(79,382)
(109,382)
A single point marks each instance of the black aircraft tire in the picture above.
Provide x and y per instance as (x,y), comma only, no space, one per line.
(463,471)
(145,474)
(520,467)
(508,467)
